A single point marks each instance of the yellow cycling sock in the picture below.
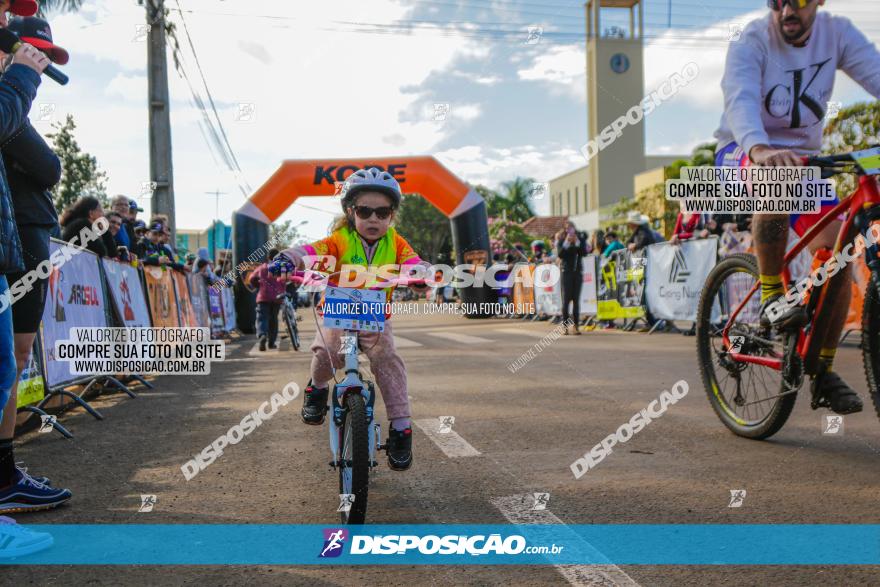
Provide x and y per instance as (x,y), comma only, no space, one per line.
(770,286)
(826,358)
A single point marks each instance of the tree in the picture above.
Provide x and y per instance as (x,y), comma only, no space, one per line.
(854,128)
(47,6)
(504,235)
(284,235)
(425,228)
(515,199)
(80,175)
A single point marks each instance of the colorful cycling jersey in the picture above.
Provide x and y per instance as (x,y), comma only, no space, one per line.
(346,247)
(777,94)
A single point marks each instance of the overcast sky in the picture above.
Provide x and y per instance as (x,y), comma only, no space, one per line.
(345,78)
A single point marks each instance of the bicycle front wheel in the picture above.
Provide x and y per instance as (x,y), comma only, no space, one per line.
(354,466)
(745,396)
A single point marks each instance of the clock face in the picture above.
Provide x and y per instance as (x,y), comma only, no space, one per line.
(619,63)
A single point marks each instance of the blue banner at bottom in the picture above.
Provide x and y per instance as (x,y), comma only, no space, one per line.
(257,544)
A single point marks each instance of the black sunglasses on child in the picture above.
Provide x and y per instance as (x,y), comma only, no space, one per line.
(364,212)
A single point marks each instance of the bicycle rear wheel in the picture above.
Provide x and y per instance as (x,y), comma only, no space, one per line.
(745,396)
(354,466)
(871,339)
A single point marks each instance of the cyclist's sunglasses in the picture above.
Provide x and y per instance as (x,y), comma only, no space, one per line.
(365,212)
(780,4)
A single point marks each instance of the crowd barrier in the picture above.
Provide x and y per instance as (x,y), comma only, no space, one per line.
(665,281)
(88,291)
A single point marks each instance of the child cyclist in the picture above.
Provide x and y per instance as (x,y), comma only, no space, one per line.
(363,238)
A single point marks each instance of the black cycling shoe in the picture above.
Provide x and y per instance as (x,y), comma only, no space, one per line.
(791,317)
(399,449)
(314,405)
(842,398)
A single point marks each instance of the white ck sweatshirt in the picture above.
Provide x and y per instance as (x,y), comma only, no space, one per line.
(777,94)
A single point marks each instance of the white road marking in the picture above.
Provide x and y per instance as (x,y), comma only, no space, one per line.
(459,337)
(518,510)
(450,442)
(522,331)
(402,343)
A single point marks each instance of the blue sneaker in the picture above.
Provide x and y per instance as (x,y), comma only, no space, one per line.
(17,540)
(27,494)
(43,480)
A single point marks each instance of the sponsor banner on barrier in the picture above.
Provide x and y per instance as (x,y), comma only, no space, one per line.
(589,302)
(185,312)
(548,298)
(457,544)
(621,286)
(199,298)
(524,295)
(675,276)
(30,385)
(160,293)
(127,293)
(215,311)
(75,298)
(228,309)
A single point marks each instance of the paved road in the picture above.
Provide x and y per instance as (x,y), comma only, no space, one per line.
(519,432)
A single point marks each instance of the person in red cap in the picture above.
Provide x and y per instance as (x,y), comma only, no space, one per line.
(32,169)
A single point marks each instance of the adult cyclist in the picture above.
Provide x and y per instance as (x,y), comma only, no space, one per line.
(777,81)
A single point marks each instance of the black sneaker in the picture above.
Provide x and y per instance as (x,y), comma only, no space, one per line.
(842,397)
(787,318)
(314,405)
(399,449)
(26,494)
(273,346)
(262,343)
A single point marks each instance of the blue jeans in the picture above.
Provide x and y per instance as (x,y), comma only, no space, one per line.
(267,320)
(7,349)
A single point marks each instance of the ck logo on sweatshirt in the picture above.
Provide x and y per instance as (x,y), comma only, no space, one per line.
(786,99)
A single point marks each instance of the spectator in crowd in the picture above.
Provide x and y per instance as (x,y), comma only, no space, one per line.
(268,304)
(721,223)
(82,214)
(538,251)
(612,243)
(689,225)
(642,235)
(150,250)
(571,248)
(597,241)
(133,210)
(119,206)
(18,87)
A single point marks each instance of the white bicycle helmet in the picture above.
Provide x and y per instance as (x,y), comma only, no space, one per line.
(373,180)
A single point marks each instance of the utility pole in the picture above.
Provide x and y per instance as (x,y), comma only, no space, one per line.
(216,193)
(161,172)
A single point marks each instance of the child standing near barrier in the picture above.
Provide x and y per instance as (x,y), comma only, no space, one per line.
(363,237)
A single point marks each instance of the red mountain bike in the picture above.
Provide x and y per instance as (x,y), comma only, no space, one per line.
(751,373)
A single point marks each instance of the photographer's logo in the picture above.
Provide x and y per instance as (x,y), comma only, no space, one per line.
(833,110)
(538,191)
(346,500)
(47,423)
(534,35)
(832,424)
(679,272)
(147,188)
(247,112)
(148,502)
(735,31)
(541,501)
(446,423)
(737,497)
(334,540)
(441,112)
(46,111)
(736,343)
(140,32)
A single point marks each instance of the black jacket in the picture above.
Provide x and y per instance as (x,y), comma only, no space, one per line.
(571,256)
(642,237)
(18,87)
(32,169)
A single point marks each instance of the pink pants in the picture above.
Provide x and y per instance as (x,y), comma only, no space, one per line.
(386,364)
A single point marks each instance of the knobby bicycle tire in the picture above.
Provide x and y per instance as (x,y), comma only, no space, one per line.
(292,331)
(356,421)
(778,415)
(871,339)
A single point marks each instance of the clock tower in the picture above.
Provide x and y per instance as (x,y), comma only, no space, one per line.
(615,83)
